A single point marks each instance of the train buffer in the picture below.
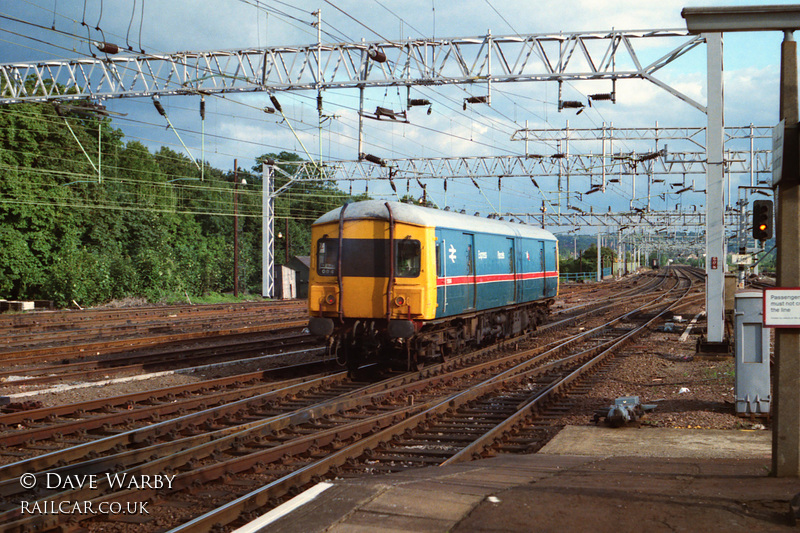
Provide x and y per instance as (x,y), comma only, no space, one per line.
(626,410)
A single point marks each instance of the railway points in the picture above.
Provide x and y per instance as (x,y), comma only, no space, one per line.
(255,442)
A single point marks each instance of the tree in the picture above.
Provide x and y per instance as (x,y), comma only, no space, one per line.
(587,261)
(78,224)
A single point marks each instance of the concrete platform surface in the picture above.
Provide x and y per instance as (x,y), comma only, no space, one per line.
(724,486)
(661,442)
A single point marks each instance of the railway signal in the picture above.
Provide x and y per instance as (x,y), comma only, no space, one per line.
(762,220)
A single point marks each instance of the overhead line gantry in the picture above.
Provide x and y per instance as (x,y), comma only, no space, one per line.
(573,56)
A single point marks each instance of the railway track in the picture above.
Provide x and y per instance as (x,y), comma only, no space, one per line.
(236,457)
(265,329)
(93,419)
(51,335)
(172,355)
(38,424)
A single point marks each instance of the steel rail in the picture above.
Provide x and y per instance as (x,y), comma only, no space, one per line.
(527,409)
(260,497)
(168,394)
(166,358)
(141,414)
(230,433)
(32,331)
(42,321)
(247,462)
(62,351)
(409,383)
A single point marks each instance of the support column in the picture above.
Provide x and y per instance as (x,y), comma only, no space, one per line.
(235,229)
(599,258)
(267,233)
(786,401)
(715,229)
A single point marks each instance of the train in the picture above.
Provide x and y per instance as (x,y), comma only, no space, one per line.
(409,285)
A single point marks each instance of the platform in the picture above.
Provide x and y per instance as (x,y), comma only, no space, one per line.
(586,479)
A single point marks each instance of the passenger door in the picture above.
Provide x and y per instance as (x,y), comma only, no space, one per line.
(456,283)
(550,264)
(522,263)
(512,269)
(541,286)
(469,257)
(441,274)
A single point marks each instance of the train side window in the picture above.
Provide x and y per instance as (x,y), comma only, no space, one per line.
(407,258)
(327,257)
(470,264)
(438,261)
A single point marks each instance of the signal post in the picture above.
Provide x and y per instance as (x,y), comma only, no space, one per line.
(786,384)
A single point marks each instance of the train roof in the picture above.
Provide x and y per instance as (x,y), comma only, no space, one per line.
(425,216)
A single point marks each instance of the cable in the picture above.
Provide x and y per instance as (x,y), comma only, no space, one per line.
(140,121)
(440,132)
(490,123)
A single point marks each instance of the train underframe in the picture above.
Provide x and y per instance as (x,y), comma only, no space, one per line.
(410,344)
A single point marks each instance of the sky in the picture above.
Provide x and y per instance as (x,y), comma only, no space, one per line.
(235,127)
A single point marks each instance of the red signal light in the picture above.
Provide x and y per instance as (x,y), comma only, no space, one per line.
(762,220)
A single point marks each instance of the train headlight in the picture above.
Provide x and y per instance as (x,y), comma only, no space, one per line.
(400,301)
(330,299)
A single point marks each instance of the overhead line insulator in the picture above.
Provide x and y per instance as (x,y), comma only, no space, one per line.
(107,48)
(159,107)
(376,54)
(372,159)
(571,104)
(475,100)
(276,103)
(602,96)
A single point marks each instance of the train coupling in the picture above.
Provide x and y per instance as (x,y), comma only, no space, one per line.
(401,329)
(320,327)
(626,410)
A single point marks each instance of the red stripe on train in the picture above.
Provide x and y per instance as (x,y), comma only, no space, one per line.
(491,278)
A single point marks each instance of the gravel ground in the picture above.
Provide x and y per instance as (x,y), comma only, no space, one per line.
(689,391)
(79,392)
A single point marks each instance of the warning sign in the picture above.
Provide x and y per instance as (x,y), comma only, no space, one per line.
(782,308)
